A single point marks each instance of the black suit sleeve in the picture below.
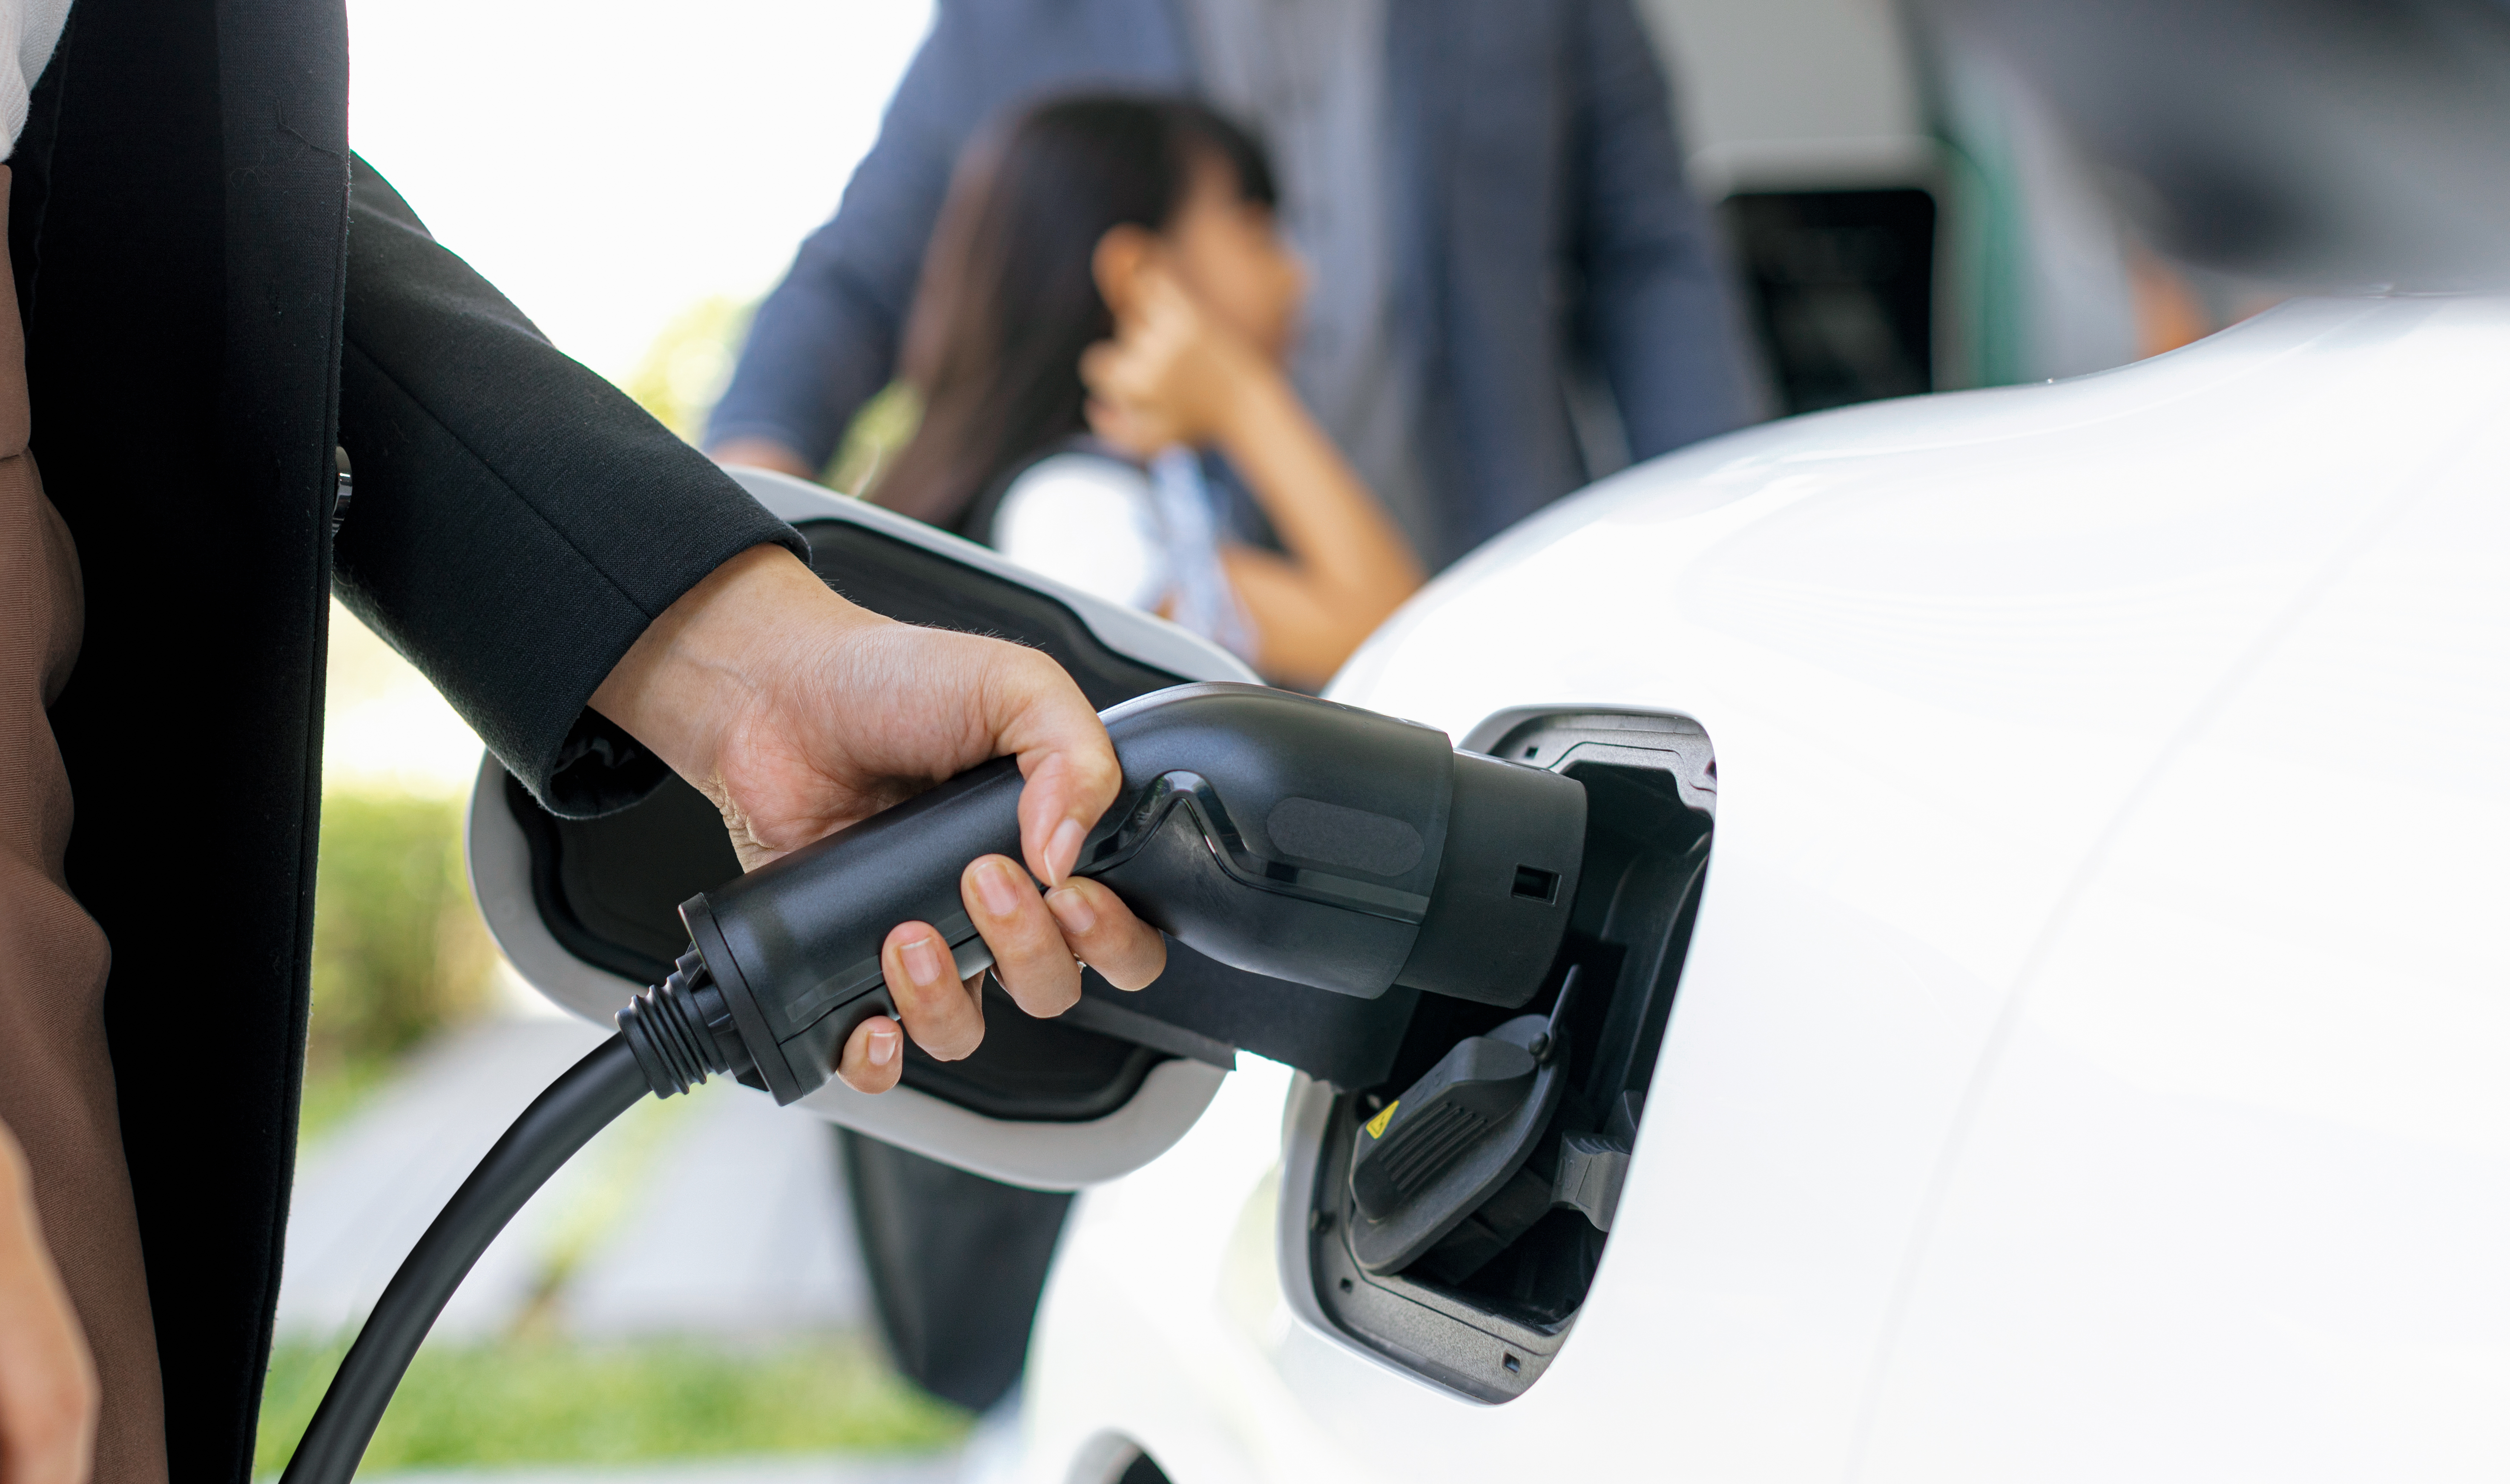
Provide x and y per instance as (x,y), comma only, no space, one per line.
(517,521)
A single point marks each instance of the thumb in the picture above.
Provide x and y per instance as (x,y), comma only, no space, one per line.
(1163,293)
(1068,766)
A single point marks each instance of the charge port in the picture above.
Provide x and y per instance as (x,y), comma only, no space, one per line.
(1484,1293)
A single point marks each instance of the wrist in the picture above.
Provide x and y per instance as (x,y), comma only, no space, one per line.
(683,685)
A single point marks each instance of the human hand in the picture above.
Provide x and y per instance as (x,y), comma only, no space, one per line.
(48,1383)
(798,714)
(1175,374)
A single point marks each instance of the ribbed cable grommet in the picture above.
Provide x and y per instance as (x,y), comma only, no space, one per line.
(665,1032)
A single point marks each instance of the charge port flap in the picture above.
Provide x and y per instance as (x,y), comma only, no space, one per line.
(1420,1134)
(1433,1155)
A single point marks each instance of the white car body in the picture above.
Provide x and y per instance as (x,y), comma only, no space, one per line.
(2093,1058)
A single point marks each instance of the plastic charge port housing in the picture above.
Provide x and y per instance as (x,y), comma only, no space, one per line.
(1483,1310)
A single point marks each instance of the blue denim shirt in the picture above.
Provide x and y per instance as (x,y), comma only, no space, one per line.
(1543,236)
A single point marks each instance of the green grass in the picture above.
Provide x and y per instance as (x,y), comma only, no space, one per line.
(334,1093)
(546,1402)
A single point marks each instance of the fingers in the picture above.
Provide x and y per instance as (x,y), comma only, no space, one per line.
(1099,365)
(1039,944)
(1105,934)
(873,1055)
(48,1386)
(945,1013)
(940,1010)
(1069,766)
(1167,303)
(1030,957)
(1126,405)
(1128,427)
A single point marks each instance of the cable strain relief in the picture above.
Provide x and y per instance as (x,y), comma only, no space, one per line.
(666,1027)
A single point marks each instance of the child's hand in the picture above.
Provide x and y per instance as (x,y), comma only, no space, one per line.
(1173,374)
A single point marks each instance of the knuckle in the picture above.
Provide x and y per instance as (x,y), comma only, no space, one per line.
(1041,951)
(1049,1009)
(1029,984)
(1047,996)
(1047,976)
(954,1031)
(1140,958)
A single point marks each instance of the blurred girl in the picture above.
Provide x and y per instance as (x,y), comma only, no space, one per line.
(1106,299)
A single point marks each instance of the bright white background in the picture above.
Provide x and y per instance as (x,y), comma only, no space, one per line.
(607,163)
(607,166)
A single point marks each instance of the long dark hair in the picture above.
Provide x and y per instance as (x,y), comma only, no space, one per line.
(1008,300)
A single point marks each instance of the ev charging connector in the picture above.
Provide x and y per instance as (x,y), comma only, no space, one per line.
(1277,833)
(1283,835)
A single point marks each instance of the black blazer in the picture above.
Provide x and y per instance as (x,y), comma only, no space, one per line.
(214,295)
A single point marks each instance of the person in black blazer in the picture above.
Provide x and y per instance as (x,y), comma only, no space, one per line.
(217,298)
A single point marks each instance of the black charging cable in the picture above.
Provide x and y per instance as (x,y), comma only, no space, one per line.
(656,1052)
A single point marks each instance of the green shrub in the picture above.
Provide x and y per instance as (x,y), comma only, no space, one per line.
(685,370)
(398,951)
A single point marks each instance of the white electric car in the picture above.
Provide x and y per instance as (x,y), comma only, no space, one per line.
(2037,993)
(2046,970)
(2091,1057)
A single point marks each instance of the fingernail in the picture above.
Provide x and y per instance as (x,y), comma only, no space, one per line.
(1072,909)
(923,958)
(994,885)
(884,1044)
(1063,852)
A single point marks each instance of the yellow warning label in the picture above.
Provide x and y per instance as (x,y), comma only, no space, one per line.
(1377,1124)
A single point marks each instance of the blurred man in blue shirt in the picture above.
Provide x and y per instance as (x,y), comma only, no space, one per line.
(1488,193)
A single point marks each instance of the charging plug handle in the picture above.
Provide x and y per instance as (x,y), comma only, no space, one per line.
(1277,833)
